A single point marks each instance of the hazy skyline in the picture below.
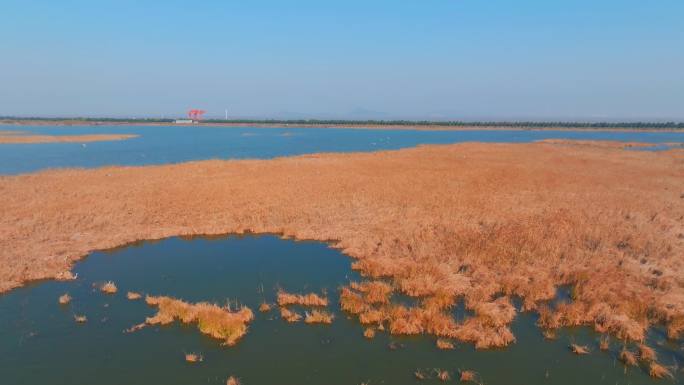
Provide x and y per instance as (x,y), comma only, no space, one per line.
(438,59)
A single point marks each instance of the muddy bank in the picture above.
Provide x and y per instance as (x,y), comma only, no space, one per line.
(483,222)
(16,137)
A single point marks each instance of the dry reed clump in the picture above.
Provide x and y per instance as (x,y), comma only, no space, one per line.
(604,343)
(579,349)
(628,358)
(318,317)
(233,381)
(656,370)
(193,358)
(647,353)
(290,315)
(352,302)
(133,296)
(80,319)
(468,376)
(374,292)
(443,375)
(467,226)
(64,299)
(311,299)
(444,344)
(213,320)
(369,333)
(419,375)
(265,307)
(108,288)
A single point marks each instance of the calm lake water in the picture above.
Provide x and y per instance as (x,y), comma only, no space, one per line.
(173,144)
(41,344)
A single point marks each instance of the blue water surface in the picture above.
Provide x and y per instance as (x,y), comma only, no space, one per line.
(174,144)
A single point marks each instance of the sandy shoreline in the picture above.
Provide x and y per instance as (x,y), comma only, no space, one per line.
(471,221)
(19,137)
(416,127)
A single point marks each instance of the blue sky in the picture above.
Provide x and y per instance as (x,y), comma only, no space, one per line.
(434,59)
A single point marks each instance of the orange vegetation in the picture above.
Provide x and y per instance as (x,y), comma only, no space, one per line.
(475,222)
(647,353)
(310,299)
(656,370)
(443,375)
(444,344)
(213,320)
(133,295)
(289,315)
(233,381)
(579,349)
(193,358)
(264,307)
(16,138)
(318,317)
(108,288)
(628,358)
(64,299)
(80,319)
(468,376)
(369,333)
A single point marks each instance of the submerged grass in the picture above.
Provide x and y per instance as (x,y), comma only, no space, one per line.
(217,322)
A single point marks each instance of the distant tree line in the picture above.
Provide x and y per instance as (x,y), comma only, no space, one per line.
(504,124)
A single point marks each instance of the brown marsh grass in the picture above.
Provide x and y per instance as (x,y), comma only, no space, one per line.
(579,349)
(647,353)
(369,333)
(467,376)
(193,358)
(443,375)
(133,296)
(628,358)
(311,299)
(265,307)
(218,322)
(656,370)
(604,343)
(233,381)
(80,319)
(64,299)
(444,344)
(468,222)
(108,288)
(318,317)
(290,315)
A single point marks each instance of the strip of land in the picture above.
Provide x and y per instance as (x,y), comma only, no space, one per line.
(18,137)
(482,222)
(363,125)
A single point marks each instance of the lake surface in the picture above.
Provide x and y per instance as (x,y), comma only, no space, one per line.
(41,344)
(174,144)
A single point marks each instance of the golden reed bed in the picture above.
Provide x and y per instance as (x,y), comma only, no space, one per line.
(482,222)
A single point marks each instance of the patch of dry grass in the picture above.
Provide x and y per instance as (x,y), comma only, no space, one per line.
(656,370)
(443,375)
(579,349)
(311,299)
(233,381)
(445,344)
(318,317)
(628,358)
(64,299)
(193,358)
(468,376)
(133,296)
(108,288)
(215,321)
(290,315)
(265,307)
(80,319)
(476,221)
(647,353)
(369,333)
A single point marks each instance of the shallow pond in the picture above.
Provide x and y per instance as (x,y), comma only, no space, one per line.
(173,144)
(41,344)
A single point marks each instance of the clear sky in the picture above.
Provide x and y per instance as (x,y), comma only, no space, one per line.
(438,59)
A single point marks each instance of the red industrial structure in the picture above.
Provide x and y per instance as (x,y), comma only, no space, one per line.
(195,114)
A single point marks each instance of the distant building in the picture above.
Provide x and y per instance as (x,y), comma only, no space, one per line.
(184,121)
